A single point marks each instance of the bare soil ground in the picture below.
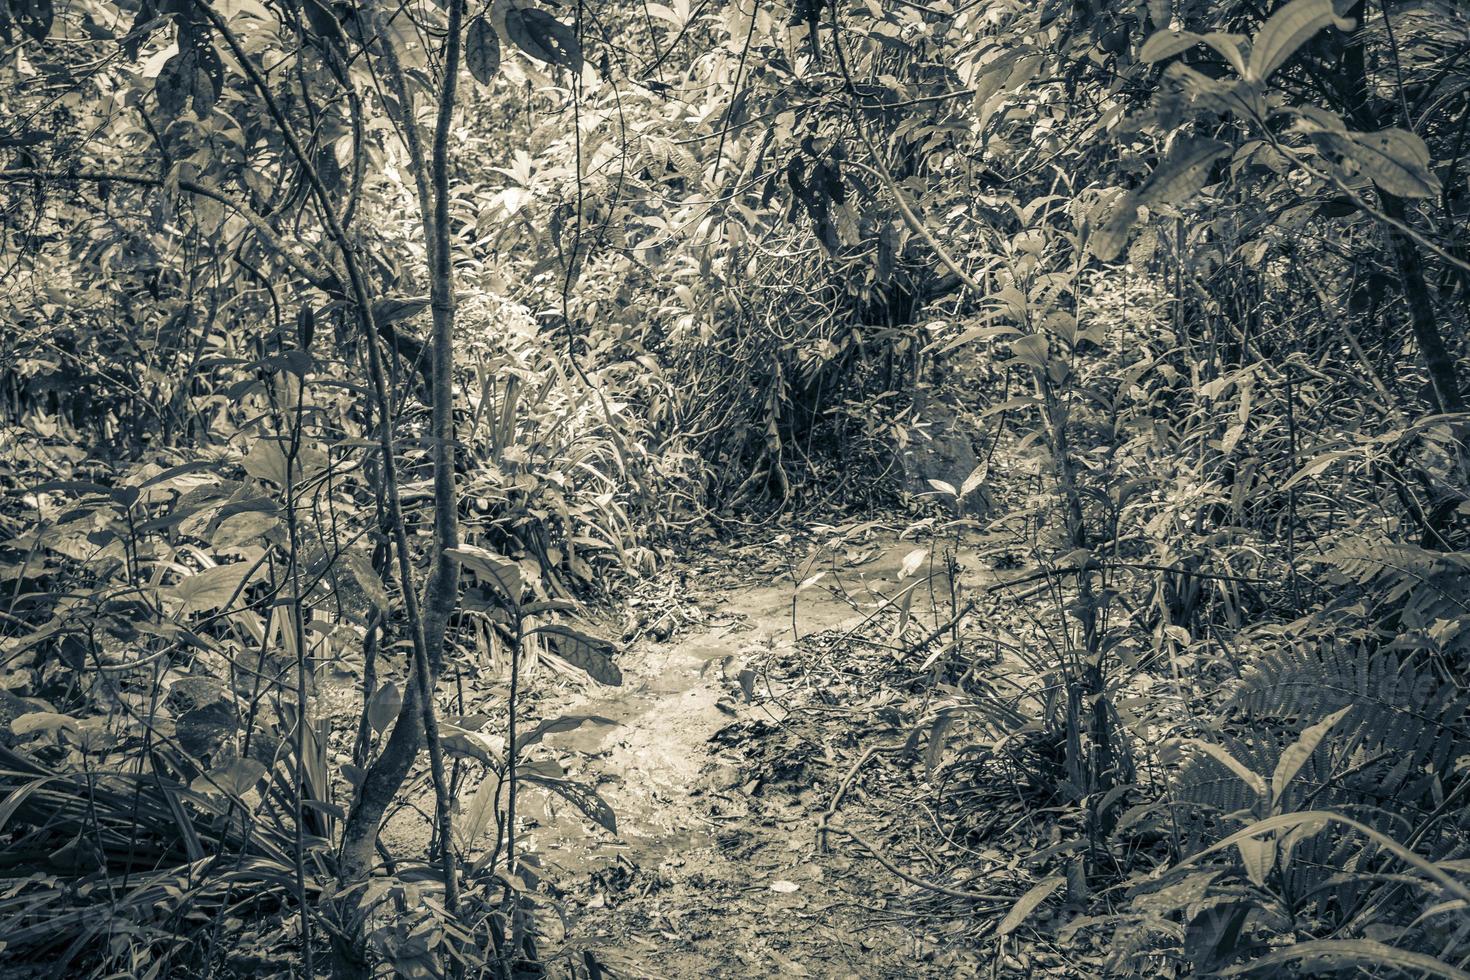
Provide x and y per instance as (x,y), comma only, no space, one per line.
(720,781)
(757,689)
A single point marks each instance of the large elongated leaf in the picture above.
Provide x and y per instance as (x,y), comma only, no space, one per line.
(42,721)
(1335,954)
(384,706)
(1183,173)
(212,588)
(267,461)
(593,655)
(1257,854)
(581,797)
(1294,756)
(1111,223)
(1287,30)
(1394,159)
(475,819)
(1164,44)
(482,50)
(1255,781)
(1236,96)
(467,742)
(1317,819)
(204,729)
(1027,904)
(395,308)
(562,723)
(542,36)
(236,778)
(242,531)
(491,569)
(361,569)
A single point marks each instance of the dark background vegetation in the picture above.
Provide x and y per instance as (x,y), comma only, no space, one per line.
(345,336)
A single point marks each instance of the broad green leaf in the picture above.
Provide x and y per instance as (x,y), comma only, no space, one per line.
(1164,44)
(1257,854)
(204,729)
(1319,818)
(562,723)
(466,741)
(905,609)
(1183,173)
(475,819)
(236,779)
(1294,836)
(1318,466)
(1027,904)
(912,561)
(267,461)
(934,752)
(1110,224)
(543,37)
(978,333)
(185,476)
(212,588)
(195,691)
(42,721)
(482,50)
(1287,30)
(581,797)
(1031,350)
(810,581)
(195,511)
(1167,43)
(1394,159)
(384,706)
(590,653)
(395,308)
(549,605)
(1237,96)
(246,530)
(976,478)
(70,486)
(1315,119)
(491,569)
(362,572)
(1296,755)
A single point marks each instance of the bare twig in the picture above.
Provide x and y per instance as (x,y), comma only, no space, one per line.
(843,787)
(924,883)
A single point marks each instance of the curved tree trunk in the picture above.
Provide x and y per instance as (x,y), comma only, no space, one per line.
(416,722)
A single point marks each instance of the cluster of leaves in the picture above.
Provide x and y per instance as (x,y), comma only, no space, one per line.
(199,527)
(769,300)
(1252,486)
(1232,294)
(1216,252)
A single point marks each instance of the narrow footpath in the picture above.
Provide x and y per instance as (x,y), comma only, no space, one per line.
(716,869)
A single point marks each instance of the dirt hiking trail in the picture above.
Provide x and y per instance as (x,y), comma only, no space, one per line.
(716,869)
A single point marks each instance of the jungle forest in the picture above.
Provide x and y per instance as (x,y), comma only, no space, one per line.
(608,489)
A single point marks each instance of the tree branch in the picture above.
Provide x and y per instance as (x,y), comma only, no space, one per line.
(325,281)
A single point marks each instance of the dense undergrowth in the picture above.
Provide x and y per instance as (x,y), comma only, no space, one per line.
(313,312)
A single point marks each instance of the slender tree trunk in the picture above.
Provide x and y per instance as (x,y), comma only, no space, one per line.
(1439,361)
(388,772)
(1359,106)
(427,621)
(1086,685)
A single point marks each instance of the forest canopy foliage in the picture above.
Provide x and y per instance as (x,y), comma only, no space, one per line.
(386,340)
